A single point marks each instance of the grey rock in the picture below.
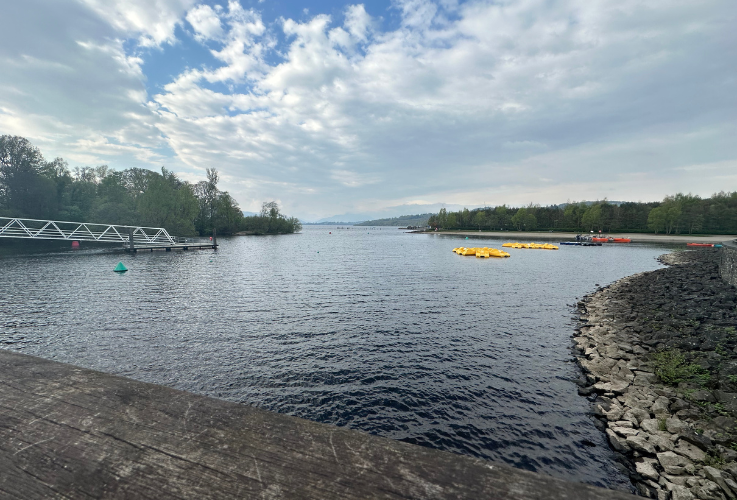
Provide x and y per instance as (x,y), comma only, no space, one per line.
(727,424)
(676,425)
(612,415)
(727,454)
(692,482)
(715,475)
(629,417)
(731,483)
(703,396)
(679,405)
(639,443)
(700,440)
(624,423)
(645,468)
(731,469)
(709,490)
(645,490)
(728,399)
(616,386)
(681,493)
(625,431)
(679,480)
(661,443)
(586,391)
(690,413)
(644,379)
(639,414)
(673,463)
(651,425)
(618,443)
(660,406)
(688,450)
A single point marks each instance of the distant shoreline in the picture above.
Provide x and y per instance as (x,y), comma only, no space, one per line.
(636,237)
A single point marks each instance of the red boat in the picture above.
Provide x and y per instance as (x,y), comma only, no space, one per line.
(699,244)
(600,240)
(620,240)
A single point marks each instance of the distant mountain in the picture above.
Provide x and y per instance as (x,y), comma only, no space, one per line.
(249,214)
(329,223)
(390,212)
(404,220)
(589,203)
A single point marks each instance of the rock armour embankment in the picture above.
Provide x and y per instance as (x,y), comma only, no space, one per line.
(658,352)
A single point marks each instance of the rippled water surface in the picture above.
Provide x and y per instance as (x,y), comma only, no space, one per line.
(376,330)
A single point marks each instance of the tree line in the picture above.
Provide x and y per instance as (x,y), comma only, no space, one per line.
(34,188)
(678,214)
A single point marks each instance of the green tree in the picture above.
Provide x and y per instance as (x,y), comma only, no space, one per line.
(656,219)
(591,219)
(480,219)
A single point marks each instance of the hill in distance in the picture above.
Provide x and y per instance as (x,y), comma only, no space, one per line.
(402,220)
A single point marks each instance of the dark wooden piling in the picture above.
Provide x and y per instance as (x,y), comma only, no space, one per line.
(67,432)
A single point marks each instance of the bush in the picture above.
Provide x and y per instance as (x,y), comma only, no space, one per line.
(671,368)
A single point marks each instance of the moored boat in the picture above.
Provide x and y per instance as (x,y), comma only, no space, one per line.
(699,244)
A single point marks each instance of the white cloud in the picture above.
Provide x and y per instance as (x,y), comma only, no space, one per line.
(153,21)
(454,103)
(519,101)
(358,22)
(205,22)
(71,89)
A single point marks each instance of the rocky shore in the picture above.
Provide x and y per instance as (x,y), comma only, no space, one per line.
(658,351)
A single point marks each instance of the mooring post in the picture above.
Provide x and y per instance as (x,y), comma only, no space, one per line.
(214,238)
(131,245)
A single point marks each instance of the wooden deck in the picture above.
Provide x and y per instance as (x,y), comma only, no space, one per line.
(67,432)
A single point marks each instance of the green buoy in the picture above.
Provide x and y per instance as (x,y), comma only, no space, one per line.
(466,237)
(120,268)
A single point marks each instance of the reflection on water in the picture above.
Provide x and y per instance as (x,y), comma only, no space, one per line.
(377,330)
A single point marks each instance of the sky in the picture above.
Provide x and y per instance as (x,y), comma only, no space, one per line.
(386,107)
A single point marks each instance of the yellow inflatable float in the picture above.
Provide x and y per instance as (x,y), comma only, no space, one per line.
(537,246)
(481,253)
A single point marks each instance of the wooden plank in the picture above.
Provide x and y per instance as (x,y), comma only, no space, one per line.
(67,432)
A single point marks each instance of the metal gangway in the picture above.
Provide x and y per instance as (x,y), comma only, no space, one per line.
(132,238)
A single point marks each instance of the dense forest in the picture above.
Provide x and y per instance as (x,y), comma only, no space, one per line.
(682,213)
(402,220)
(31,187)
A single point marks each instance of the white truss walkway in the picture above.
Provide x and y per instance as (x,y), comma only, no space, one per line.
(83,231)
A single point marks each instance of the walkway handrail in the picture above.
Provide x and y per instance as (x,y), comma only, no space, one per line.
(82,231)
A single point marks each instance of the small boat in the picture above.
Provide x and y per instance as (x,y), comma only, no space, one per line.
(620,240)
(699,244)
(600,240)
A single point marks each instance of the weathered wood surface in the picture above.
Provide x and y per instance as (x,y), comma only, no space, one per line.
(67,432)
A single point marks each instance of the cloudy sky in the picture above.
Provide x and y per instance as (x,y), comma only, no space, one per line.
(332,107)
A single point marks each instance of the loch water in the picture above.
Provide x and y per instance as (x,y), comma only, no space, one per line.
(373,329)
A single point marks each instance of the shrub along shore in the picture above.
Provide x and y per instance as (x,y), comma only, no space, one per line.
(658,352)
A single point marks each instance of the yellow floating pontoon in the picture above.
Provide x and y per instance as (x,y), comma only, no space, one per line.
(536,246)
(482,253)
